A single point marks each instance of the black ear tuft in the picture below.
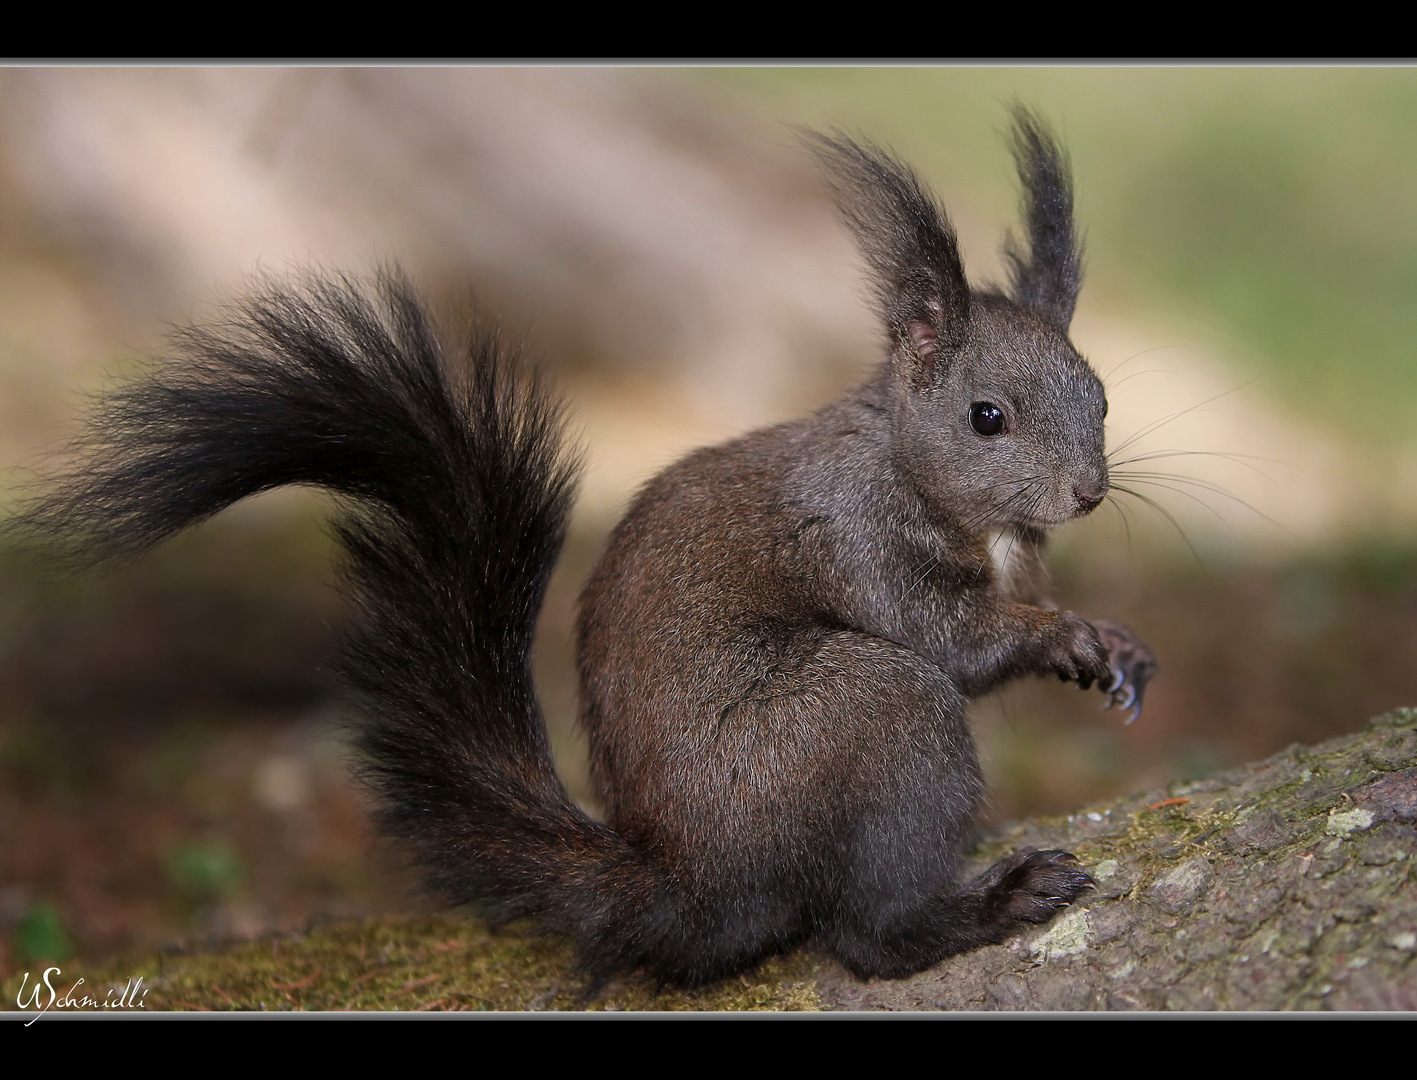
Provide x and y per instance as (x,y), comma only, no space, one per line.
(1046,279)
(909,245)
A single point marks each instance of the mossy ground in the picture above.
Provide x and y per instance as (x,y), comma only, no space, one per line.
(441,963)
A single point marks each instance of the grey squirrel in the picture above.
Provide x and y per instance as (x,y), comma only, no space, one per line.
(778,645)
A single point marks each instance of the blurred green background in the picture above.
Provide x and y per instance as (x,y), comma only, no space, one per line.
(171,755)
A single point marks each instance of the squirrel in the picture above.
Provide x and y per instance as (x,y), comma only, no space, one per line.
(776,649)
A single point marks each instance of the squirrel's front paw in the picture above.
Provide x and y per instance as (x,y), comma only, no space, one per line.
(1131,665)
(1076,652)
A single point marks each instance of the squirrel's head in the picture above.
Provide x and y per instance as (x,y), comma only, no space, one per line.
(998,419)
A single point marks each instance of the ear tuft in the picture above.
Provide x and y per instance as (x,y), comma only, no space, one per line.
(1046,278)
(909,245)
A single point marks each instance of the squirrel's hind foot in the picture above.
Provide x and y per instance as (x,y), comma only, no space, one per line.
(1033,886)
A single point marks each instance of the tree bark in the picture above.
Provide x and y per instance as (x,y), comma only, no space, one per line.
(1284,884)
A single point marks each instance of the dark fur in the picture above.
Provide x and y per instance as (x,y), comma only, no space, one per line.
(777,647)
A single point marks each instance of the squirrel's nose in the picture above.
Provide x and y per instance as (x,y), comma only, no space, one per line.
(1089,493)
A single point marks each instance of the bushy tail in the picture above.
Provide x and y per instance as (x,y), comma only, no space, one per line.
(454,487)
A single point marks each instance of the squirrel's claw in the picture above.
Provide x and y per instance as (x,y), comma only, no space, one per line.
(1132,665)
(1125,695)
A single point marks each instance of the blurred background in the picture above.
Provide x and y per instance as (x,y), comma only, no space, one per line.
(171,758)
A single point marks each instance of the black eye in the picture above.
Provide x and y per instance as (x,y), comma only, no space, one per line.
(1104,410)
(986,418)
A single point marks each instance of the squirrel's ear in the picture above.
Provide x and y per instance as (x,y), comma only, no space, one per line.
(910,249)
(1045,279)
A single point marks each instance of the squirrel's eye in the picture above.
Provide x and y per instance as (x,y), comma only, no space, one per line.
(986,418)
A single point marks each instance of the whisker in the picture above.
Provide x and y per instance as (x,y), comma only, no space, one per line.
(1170,518)
(1126,522)
(1032,488)
(1157,425)
(929,565)
(1013,539)
(1122,515)
(1024,488)
(1021,481)
(1133,375)
(1003,563)
(1194,498)
(1106,379)
(1172,482)
(1238,459)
